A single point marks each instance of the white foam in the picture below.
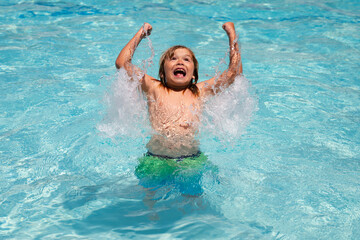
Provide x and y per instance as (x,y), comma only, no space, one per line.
(227,114)
(126,114)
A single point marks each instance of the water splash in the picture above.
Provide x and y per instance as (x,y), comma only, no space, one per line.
(147,63)
(229,112)
(126,114)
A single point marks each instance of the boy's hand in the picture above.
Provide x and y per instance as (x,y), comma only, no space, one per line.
(146,30)
(229,28)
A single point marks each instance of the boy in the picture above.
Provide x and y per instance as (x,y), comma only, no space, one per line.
(175,102)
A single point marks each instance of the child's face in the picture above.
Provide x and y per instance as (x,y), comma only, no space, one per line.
(179,69)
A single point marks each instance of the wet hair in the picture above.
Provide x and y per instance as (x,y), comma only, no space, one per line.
(168,54)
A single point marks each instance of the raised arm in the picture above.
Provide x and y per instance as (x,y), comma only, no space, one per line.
(215,84)
(125,56)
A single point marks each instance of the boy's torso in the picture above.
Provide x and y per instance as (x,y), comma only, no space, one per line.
(175,118)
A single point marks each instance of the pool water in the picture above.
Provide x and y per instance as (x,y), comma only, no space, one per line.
(287,152)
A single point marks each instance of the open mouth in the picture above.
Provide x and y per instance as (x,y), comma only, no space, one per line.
(180,72)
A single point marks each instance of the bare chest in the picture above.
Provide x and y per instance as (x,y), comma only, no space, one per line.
(176,110)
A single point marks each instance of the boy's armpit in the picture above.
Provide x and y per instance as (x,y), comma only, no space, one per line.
(206,88)
(148,83)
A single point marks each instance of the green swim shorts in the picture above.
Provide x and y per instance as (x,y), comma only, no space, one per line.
(161,168)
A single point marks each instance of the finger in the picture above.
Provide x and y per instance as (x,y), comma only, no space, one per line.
(148,28)
(228,26)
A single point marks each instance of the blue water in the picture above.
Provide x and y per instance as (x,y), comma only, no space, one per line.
(290,168)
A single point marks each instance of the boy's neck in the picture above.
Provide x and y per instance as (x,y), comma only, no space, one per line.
(177,89)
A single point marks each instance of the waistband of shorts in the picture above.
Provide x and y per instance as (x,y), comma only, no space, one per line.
(175,158)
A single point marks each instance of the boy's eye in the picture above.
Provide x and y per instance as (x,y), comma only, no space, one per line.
(187,59)
(173,58)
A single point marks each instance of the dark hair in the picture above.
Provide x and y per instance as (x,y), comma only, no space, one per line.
(169,54)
